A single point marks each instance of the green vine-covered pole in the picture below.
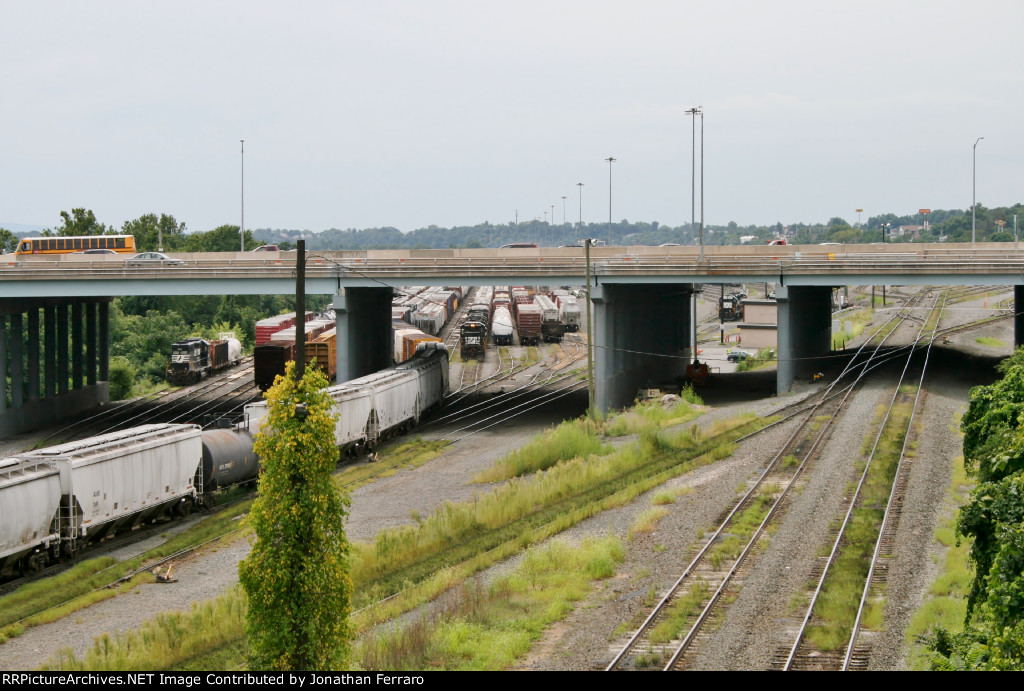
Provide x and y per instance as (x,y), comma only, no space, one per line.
(297,575)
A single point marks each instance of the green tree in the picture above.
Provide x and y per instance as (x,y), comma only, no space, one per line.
(8,241)
(79,222)
(149,230)
(220,239)
(121,378)
(297,575)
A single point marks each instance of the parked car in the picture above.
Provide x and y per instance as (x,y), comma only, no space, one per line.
(737,355)
(153,259)
(95,251)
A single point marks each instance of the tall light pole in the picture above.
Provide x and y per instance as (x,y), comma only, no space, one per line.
(693,169)
(579,226)
(563,209)
(702,183)
(241,230)
(610,162)
(974,185)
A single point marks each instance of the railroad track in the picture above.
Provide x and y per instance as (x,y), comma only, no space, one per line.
(698,593)
(804,653)
(164,407)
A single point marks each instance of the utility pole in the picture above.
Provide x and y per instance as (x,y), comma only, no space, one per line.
(590,338)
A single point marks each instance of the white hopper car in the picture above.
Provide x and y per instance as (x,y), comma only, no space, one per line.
(54,500)
(381,404)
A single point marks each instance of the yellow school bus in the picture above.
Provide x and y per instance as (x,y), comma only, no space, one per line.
(121,244)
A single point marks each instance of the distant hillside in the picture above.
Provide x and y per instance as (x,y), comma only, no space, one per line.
(943,226)
(22,229)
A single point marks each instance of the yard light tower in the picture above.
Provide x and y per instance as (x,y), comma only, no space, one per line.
(974,186)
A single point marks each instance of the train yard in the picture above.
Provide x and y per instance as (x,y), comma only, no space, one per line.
(496,403)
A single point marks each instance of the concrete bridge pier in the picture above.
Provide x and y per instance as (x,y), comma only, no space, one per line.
(641,336)
(805,331)
(1018,316)
(364,342)
(37,340)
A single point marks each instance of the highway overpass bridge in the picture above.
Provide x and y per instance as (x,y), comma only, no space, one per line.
(642,300)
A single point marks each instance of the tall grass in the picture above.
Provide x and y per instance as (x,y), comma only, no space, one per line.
(84,584)
(765,357)
(488,629)
(168,641)
(945,603)
(837,605)
(650,415)
(858,321)
(571,439)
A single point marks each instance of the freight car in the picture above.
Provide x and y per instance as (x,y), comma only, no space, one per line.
(381,404)
(528,322)
(501,326)
(54,501)
(195,358)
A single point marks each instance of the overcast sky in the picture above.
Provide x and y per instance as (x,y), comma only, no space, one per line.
(375,113)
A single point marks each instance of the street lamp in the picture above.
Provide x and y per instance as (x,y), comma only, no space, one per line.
(610,162)
(241,230)
(579,226)
(693,169)
(974,185)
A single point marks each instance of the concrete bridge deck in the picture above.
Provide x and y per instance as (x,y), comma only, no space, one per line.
(327,272)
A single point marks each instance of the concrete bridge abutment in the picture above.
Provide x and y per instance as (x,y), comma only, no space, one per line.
(804,331)
(364,342)
(641,337)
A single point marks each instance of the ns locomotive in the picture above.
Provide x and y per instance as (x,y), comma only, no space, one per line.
(195,358)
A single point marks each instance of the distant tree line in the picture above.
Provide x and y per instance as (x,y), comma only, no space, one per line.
(944,226)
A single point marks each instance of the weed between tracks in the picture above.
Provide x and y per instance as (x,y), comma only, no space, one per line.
(840,597)
(417,562)
(946,602)
(571,439)
(489,627)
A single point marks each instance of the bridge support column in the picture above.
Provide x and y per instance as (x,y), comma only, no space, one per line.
(805,331)
(1018,316)
(33,354)
(3,364)
(63,372)
(38,333)
(77,351)
(640,338)
(90,344)
(50,351)
(364,339)
(17,360)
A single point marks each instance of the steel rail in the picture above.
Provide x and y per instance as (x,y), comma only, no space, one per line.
(743,502)
(889,504)
(846,520)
